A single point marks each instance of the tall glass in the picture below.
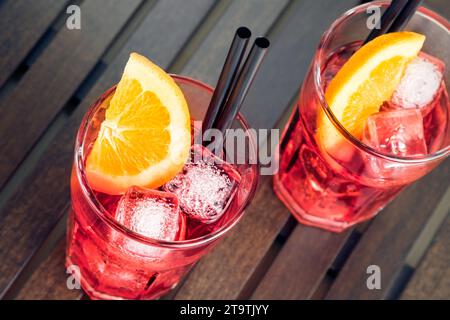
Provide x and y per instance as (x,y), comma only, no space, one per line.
(113,261)
(335,189)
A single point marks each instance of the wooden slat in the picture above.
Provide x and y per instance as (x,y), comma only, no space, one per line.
(258,15)
(389,238)
(432,279)
(225,272)
(55,76)
(262,207)
(301,264)
(36,208)
(22,23)
(48,281)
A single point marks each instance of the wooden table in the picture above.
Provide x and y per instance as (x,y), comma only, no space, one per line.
(50,75)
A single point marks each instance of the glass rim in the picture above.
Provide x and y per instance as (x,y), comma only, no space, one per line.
(317,67)
(102,213)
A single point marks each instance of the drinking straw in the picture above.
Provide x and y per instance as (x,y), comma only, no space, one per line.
(388,17)
(405,15)
(227,76)
(243,83)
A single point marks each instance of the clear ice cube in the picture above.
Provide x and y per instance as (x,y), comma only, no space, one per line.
(398,133)
(205,186)
(151,213)
(419,85)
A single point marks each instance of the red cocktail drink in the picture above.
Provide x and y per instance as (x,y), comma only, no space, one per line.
(138,245)
(334,186)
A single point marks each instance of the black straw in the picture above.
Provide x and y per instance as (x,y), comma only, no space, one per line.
(388,17)
(243,83)
(405,15)
(227,76)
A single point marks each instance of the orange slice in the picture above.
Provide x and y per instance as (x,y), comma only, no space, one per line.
(146,135)
(365,81)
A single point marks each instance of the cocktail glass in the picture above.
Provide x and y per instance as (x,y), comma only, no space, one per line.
(113,262)
(336,189)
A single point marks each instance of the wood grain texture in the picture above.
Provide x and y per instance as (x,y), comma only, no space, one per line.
(29,216)
(55,76)
(48,281)
(224,272)
(301,264)
(390,236)
(22,23)
(40,203)
(258,15)
(432,278)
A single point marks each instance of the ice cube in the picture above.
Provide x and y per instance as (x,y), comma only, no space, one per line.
(206,185)
(398,133)
(419,85)
(151,213)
